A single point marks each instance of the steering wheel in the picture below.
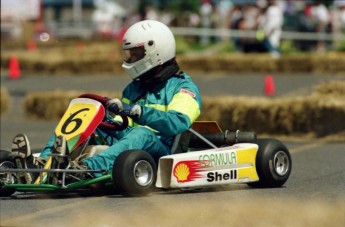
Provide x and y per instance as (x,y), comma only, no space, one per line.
(114,125)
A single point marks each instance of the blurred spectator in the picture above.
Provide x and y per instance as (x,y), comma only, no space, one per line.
(236,22)
(235,16)
(315,18)
(151,13)
(193,20)
(338,17)
(245,17)
(223,9)
(205,11)
(271,25)
(103,19)
(167,18)
(293,12)
(342,16)
(322,17)
(108,18)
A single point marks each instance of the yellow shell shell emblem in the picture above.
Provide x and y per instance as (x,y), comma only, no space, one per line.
(181,172)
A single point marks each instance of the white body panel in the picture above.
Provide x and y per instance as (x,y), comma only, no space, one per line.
(232,164)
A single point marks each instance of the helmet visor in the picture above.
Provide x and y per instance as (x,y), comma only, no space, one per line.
(133,54)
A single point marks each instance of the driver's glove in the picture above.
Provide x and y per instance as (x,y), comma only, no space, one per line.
(120,108)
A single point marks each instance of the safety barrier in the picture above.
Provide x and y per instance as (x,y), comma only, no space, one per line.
(319,114)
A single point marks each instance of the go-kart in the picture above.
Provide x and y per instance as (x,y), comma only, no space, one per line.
(203,156)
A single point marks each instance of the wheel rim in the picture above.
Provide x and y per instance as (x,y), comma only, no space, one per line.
(6,177)
(143,173)
(281,163)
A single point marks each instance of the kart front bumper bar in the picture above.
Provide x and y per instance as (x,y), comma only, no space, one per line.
(62,171)
(103,171)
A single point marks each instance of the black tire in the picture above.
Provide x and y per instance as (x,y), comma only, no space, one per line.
(134,173)
(273,163)
(6,162)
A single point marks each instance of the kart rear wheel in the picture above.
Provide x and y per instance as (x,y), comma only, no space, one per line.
(134,173)
(6,162)
(273,163)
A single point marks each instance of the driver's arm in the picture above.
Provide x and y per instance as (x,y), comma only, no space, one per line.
(181,111)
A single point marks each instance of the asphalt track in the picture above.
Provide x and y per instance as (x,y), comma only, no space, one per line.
(314,195)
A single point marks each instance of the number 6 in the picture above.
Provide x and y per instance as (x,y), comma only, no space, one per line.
(71,119)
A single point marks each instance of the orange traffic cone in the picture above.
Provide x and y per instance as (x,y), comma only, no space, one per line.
(13,68)
(269,88)
(31,46)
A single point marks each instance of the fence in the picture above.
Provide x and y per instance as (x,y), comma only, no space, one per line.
(233,33)
(85,31)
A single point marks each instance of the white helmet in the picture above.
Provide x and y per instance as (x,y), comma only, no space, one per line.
(146,45)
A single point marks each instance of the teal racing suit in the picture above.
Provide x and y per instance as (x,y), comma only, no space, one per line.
(168,110)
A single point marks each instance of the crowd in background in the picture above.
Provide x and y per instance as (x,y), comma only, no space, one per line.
(267,17)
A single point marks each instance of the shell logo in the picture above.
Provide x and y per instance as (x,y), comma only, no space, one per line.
(181,172)
(187,171)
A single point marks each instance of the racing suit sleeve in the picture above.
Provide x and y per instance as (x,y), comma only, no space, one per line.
(181,112)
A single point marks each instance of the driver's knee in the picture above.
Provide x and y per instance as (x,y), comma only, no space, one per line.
(141,133)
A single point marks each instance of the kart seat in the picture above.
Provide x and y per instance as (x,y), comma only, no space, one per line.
(182,141)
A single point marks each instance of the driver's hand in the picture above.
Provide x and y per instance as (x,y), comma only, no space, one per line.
(120,108)
(115,106)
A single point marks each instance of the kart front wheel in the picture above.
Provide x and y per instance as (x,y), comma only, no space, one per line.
(6,162)
(273,163)
(134,173)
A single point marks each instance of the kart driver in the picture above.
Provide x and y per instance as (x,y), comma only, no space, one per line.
(160,102)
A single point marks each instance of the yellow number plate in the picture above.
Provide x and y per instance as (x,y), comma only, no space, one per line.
(78,117)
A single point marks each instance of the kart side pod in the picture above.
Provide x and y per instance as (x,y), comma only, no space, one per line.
(217,166)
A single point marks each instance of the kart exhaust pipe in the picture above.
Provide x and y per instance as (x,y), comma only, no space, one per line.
(221,139)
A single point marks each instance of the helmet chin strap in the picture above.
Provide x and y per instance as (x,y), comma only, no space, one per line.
(154,77)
